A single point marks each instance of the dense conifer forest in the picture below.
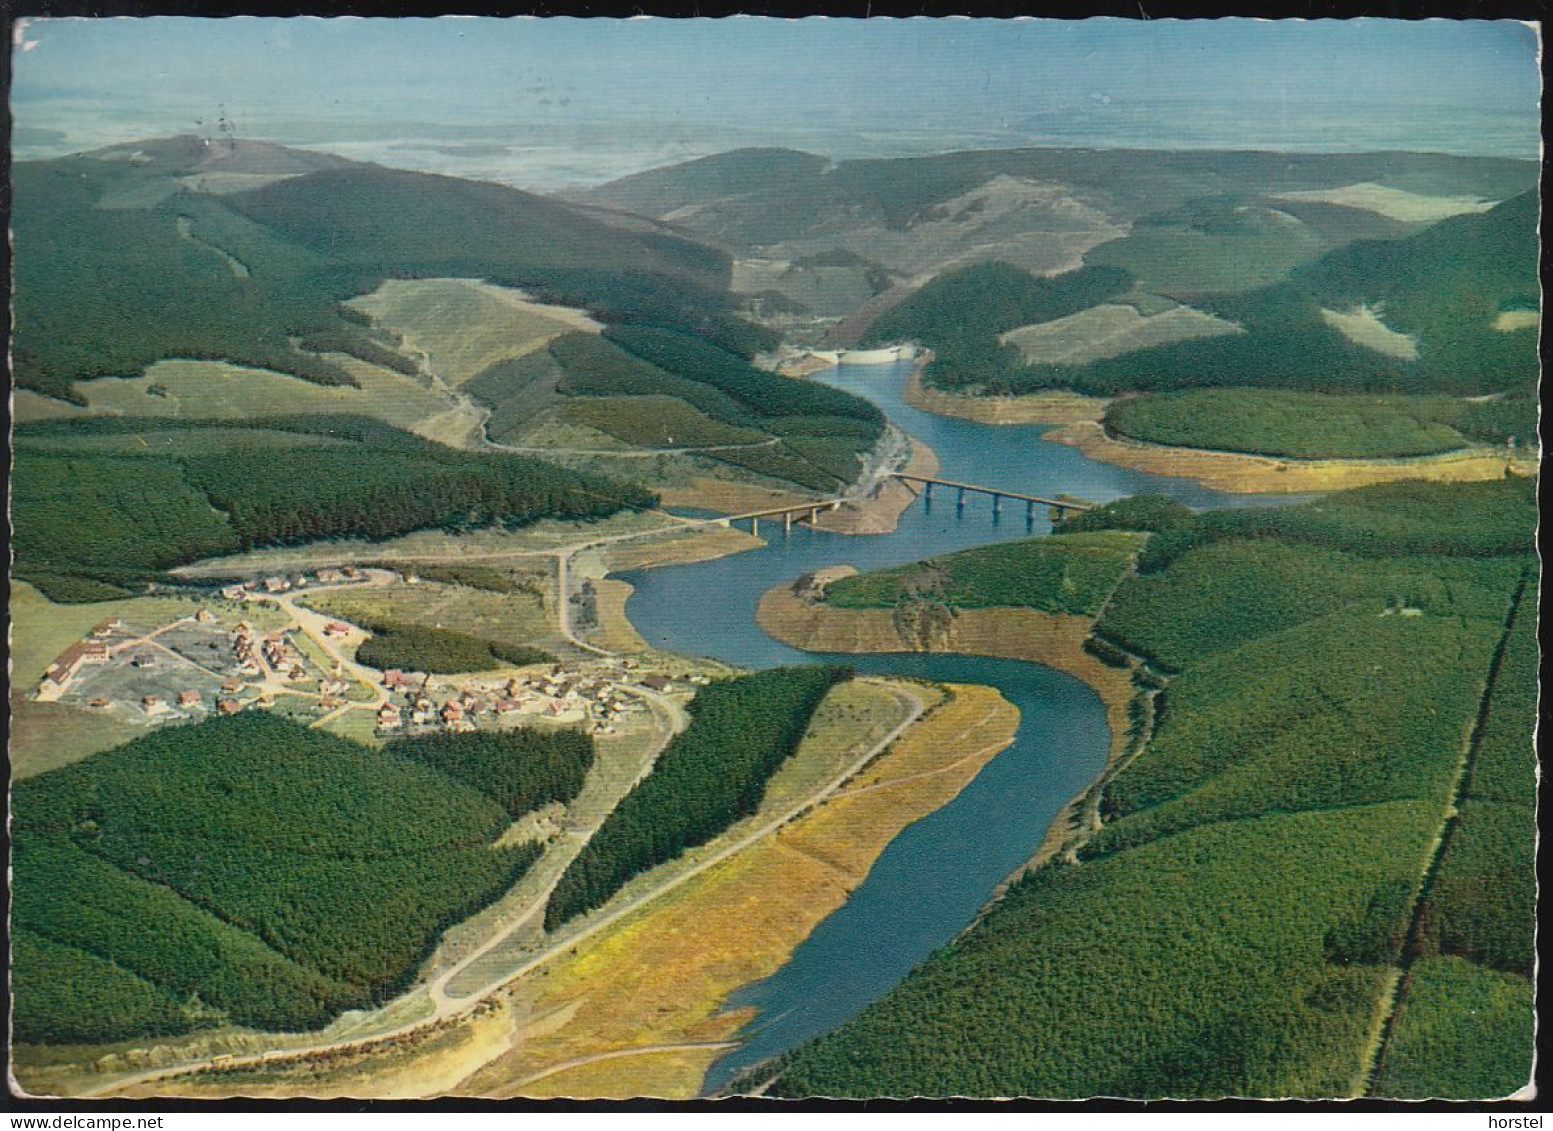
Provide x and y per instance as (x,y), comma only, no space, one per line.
(1334,675)
(248,870)
(711,775)
(102,505)
(519,769)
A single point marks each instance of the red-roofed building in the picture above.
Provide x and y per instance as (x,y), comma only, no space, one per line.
(70,660)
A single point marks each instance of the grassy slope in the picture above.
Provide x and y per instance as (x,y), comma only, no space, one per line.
(169,272)
(648,386)
(1274,868)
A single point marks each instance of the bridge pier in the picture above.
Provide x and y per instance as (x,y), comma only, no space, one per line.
(1059,508)
(754,527)
(787,522)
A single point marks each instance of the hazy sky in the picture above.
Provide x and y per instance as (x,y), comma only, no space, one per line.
(554,100)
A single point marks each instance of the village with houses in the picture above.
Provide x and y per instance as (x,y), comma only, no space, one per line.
(251,646)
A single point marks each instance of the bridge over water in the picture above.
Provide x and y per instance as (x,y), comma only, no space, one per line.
(928,482)
(810,511)
(787,514)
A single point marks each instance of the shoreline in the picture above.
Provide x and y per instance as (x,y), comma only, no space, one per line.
(636,998)
(880,511)
(758,907)
(1076,421)
(1245,473)
(1053,407)
(1051,639)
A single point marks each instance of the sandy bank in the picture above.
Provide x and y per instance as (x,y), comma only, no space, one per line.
(1234,471)
(1054,407)
(645,998)
(1055,640)
(1079,419)
(615,632)
(880,512)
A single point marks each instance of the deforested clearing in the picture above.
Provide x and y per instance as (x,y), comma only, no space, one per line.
(464,326)
(219,390)
(1363,327)
(1110,330)
(1516,320)
(1396,203)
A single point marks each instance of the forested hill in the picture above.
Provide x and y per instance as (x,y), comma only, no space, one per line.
(1481,259)
(659,192)
(243,252)
(1424,313)
(1251,894)
(734,195)
(251,871)
(821,247)
(102,505)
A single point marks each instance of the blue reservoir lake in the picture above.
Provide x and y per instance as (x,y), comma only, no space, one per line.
(934,876)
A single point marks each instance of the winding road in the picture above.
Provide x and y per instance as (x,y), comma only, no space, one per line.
(444,1007)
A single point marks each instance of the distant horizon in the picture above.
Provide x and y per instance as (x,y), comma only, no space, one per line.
(557,103)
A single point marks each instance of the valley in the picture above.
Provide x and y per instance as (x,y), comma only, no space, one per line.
(485,644)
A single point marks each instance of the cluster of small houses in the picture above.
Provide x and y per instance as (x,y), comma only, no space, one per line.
(559,695)
(278,584)
(247,651)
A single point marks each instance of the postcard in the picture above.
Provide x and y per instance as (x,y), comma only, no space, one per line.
(785,558)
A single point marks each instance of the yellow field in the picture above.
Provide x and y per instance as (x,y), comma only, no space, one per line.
(659,977)
(464,326)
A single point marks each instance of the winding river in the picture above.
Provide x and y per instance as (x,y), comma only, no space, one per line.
(932,878)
